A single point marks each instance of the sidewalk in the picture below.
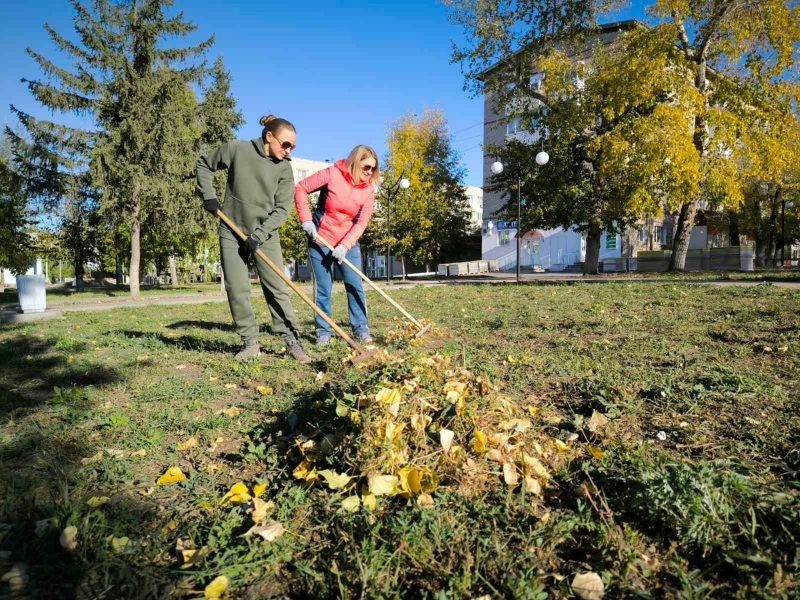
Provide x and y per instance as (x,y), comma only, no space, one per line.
(8,310)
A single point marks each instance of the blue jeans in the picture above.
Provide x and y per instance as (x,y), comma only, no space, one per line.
(322,265)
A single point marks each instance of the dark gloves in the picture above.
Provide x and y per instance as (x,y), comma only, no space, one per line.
(212,205)
(253,242)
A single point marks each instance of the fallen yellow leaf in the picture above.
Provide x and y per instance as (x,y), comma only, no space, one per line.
(171,475)
(479,443)
(96,501)
(595,452)
(351,503)
(216,588)
(305,470)
(388,395)
(335,480)
(238,494)
(169,527)
(383,485)
(446,439)
(259,489)
(425,500)
(121,545)
(532,486)
(270,532)
(533,410)
(69,538)
(370,501)
(139,453)
(192,556)
(260,510)
(230,412)
(588,586)
(531,464)
(206,505)
(264,390)
(510,475)
(561,446)
(95,458)
(495,455)
(190,443)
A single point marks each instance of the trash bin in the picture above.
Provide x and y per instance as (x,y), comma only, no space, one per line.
(31,291)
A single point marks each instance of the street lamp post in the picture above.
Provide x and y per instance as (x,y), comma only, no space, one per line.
(784,206)
(403,183)
(542,158)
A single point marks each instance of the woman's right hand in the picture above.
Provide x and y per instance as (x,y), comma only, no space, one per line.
(310,229)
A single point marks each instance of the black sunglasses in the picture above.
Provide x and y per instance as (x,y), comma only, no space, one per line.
(285,145)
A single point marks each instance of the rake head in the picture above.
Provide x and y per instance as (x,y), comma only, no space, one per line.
(363,356)
(423,331)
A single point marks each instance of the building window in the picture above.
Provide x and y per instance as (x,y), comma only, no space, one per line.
(611,241)
(514,127)
(505,239)
(642,235)
(659,234)
(301,174)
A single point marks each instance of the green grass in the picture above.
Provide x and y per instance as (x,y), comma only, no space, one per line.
(760,274)
(712,511)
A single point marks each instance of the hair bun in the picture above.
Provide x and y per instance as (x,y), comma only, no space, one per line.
(264,120)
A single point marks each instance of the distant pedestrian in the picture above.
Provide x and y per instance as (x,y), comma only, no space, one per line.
(258,197)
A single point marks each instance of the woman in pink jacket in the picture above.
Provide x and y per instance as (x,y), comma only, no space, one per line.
(346,197)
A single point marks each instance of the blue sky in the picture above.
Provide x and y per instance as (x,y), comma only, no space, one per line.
(341,71)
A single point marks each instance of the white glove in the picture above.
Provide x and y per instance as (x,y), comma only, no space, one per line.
(339,252)
(309,228)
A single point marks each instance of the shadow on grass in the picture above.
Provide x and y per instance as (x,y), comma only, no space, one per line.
(207,325)
(42,478)
(31,371)
(194,343)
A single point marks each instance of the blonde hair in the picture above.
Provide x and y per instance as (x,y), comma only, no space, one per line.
(358,154)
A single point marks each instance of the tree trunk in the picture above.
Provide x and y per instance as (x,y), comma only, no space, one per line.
(591,262)
(221,277)
(758,251)
(173,271)
(772,228)
(733,228)
(78,274)
(403,266)
(2,279)
(680,246)
(135,244)
(117,260)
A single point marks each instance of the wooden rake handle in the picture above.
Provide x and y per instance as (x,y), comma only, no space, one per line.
(405,313)
(293,285)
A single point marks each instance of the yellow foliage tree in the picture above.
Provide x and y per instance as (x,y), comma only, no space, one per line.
(429,220)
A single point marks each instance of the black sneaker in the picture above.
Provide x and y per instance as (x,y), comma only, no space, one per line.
(250,349)
(296,351)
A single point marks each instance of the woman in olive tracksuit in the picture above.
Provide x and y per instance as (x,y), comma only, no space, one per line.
(258,196)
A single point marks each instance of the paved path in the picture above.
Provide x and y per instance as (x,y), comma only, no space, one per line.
(64,304)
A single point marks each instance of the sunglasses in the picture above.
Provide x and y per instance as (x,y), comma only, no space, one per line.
(368,168)
(285,145)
